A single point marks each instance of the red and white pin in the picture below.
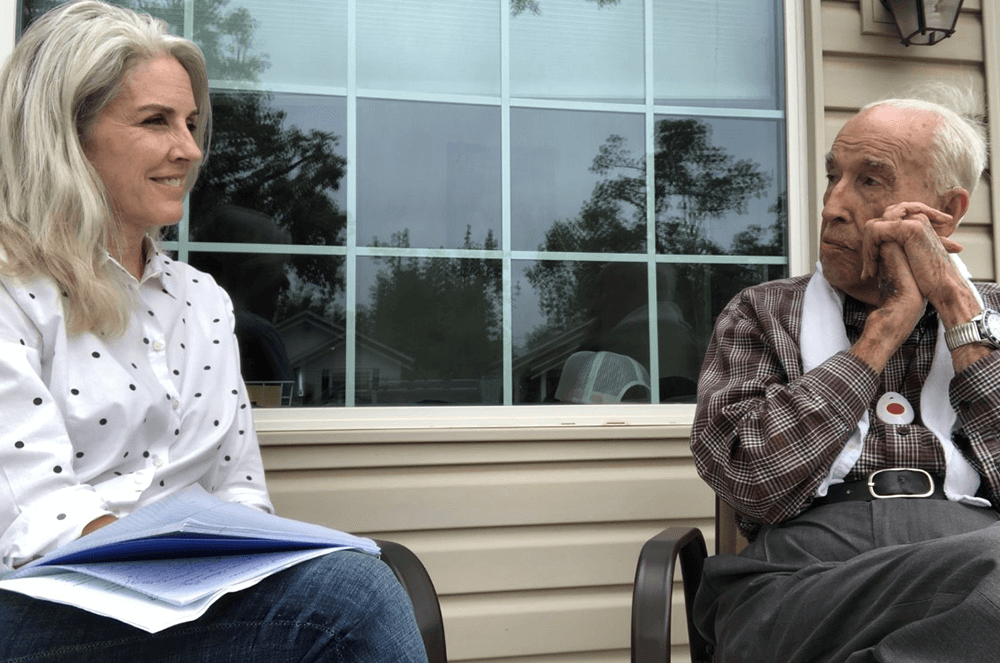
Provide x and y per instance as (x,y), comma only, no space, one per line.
(892,408)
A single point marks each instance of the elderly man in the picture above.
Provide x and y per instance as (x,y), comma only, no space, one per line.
(822,398)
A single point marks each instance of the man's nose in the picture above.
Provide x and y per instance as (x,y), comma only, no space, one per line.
(836,204)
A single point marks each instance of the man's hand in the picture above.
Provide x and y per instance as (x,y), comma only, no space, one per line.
(914,227)
(901,306)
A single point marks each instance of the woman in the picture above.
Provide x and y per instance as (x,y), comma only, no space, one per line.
(119,373)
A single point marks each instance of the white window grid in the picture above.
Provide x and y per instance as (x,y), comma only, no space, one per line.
(797,183)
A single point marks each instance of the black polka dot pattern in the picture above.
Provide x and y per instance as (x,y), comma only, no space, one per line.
(107,385)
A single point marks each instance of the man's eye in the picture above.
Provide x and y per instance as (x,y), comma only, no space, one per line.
(869,181)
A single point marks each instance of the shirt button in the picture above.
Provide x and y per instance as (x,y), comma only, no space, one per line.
(138,479)
(158,462)
(175,404)
(157,345)
(903,431)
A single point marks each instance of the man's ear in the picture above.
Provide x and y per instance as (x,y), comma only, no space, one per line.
(954,202)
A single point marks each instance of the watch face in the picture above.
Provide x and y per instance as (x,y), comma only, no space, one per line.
(991,326)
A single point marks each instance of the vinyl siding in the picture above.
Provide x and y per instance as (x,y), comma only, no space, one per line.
(530,537)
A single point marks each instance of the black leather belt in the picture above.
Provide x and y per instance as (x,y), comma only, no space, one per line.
(886,484)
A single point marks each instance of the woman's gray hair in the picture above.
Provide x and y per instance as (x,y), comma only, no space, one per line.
(55,216)
(959,148)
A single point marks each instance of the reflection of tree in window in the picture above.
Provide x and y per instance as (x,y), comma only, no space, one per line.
(445,313)
(284,173)
(518,7)
(694,181)
(255,161)
(225,36)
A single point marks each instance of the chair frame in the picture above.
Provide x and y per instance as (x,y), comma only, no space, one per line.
(654,579)
(417,582)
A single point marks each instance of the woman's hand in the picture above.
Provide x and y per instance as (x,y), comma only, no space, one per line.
(98,523)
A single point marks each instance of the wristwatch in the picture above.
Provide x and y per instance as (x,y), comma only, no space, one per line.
(984,328)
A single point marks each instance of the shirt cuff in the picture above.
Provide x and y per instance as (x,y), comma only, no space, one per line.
(49,522)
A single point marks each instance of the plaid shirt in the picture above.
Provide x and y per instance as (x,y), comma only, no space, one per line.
(765,434)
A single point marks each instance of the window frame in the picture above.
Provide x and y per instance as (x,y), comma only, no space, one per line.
(579,420)
(554,419)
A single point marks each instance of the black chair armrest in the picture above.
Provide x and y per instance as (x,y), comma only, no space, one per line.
(417,582)
(651,595)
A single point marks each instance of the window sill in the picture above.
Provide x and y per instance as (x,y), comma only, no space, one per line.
(474,423)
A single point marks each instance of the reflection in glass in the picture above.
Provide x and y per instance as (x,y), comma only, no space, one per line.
(719,186)
(429,176)
(702,291)
(569,49)
(418,46)
(564,308)
(721,54)
(560,159)
(429,172)
(280,154)
(429,331)
(299,43)
(292,43)
(289,317)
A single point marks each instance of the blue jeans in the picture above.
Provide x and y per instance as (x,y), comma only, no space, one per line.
(342,607)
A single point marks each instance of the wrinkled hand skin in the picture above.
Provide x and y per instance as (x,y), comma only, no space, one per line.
(910,259)
(914,227)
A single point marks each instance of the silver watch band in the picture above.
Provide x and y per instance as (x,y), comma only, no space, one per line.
(963,334)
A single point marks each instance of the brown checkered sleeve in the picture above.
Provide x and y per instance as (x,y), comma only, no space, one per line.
(764,434)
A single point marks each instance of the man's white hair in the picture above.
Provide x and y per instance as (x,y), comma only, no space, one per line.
(959,148)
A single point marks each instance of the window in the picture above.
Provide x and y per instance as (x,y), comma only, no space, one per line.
(499,202)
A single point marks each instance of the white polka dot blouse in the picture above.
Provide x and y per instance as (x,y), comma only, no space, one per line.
(93,425)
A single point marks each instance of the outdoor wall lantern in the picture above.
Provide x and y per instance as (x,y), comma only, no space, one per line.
(924,22)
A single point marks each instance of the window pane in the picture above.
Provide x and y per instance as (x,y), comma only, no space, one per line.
(428,174)
(281,155)
(702,291)
(438,182)
(565,308)
(429,331)
(287,43)
(418,46)
(561,165)
(569,49)
(720,186)
(289,318)
(724,53)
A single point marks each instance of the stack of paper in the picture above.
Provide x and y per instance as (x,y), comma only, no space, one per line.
(167,563)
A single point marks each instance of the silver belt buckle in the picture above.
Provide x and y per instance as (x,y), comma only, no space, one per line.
(871,483)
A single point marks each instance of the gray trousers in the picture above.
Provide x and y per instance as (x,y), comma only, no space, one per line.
(893,581)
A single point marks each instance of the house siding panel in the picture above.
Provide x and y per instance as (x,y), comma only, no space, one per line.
(531,542)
